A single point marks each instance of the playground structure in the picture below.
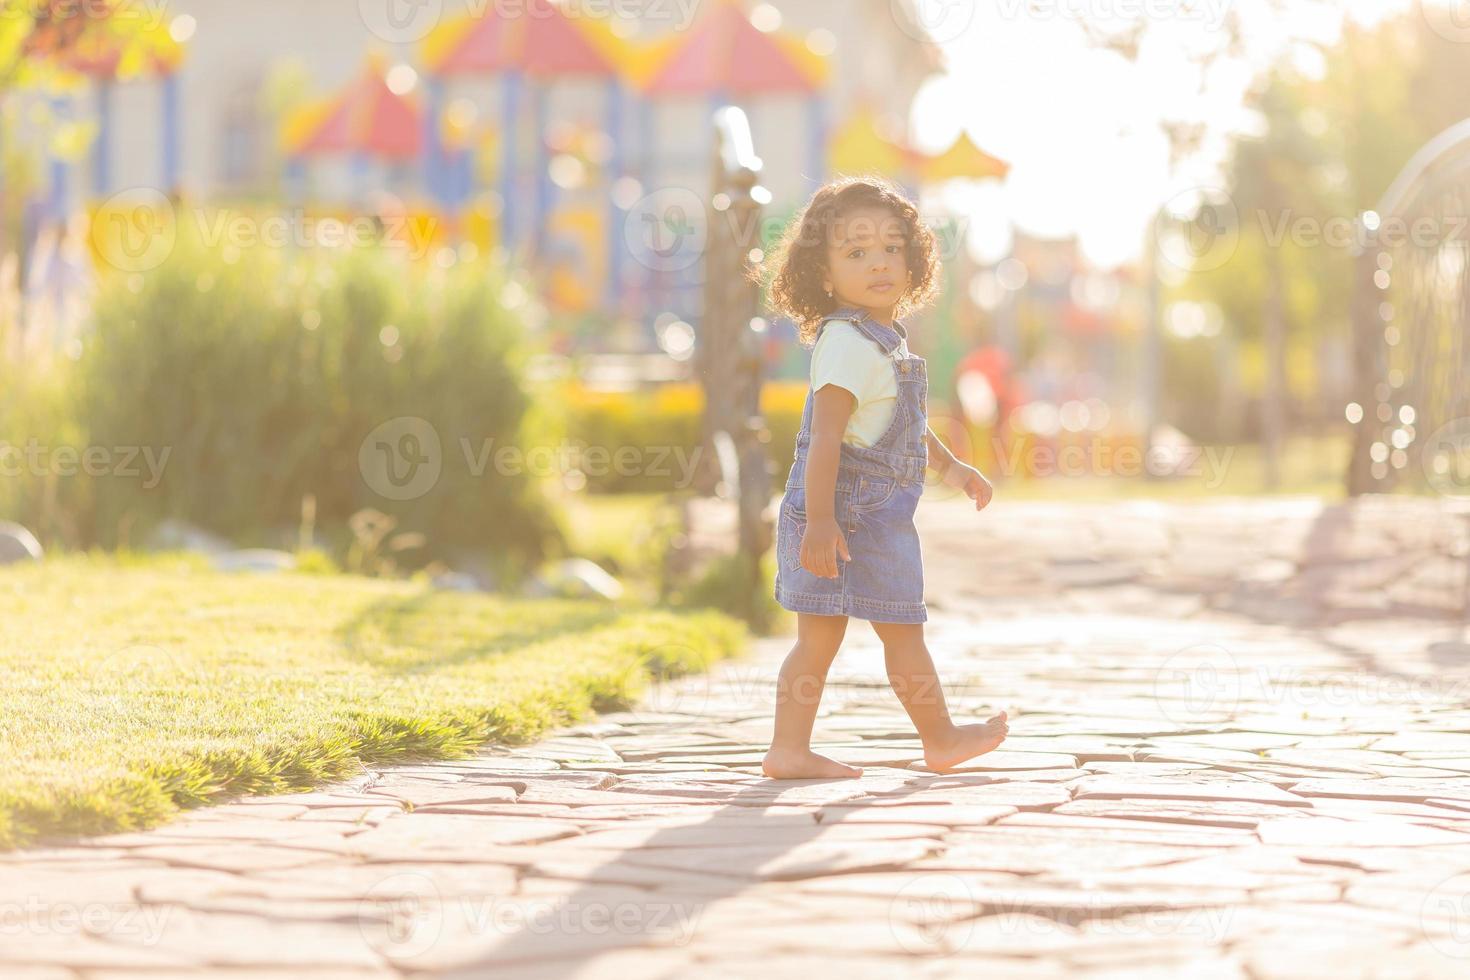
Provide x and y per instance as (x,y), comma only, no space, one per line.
(1411,326)
(596,208)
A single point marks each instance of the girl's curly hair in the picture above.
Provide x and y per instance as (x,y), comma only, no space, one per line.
(795,266)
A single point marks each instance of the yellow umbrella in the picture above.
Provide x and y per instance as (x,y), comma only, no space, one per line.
(859,147)
(648,57)
(964,161)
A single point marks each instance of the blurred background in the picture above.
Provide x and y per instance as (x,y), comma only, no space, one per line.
(389,285)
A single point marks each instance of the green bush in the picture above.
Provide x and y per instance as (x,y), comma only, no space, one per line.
(262,372)
(35,414)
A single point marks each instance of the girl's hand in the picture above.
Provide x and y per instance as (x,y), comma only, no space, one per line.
(970,480)
(820,546)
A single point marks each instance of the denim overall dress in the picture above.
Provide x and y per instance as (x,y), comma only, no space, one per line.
(878,489)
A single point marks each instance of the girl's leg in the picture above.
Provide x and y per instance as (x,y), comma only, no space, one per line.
(798,692)
(911,672)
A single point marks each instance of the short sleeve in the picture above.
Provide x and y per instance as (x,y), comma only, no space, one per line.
(844,357)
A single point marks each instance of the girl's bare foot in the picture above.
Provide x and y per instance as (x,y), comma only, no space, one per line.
(966,742)
(804,764)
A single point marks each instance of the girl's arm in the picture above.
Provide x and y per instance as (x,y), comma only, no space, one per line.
(956,474)
(940,458)
(831,409)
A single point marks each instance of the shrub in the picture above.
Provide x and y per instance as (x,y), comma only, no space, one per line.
(261,372)
(35,414)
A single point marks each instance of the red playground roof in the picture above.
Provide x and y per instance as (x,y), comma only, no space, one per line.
(540,40)
(367,117)
(725,52)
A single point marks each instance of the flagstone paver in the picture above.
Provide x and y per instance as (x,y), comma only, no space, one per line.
(1240,748)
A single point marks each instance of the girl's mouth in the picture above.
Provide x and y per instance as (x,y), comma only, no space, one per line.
(882,287)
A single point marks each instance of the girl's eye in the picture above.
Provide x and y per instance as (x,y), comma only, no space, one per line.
(893,248)
(855,253)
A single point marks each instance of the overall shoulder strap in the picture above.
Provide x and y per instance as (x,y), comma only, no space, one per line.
(887,340)
(848,313)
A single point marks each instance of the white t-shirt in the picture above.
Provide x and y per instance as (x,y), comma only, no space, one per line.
(845,357)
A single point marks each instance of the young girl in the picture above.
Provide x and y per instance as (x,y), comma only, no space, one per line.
(854,261)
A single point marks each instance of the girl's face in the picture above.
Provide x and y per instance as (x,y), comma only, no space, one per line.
(867,259)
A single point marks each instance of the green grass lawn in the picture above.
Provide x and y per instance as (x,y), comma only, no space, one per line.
(135,688)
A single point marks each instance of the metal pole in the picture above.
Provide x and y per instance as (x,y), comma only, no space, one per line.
(1367,353)
(1152,345)
(102,148)
(730,353)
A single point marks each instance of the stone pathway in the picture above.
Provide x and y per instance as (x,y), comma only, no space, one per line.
(1240,747)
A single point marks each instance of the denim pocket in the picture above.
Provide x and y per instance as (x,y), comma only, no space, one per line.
(794,503)
(873,492)
(793,528)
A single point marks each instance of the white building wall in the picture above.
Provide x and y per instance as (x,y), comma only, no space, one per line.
(137,135)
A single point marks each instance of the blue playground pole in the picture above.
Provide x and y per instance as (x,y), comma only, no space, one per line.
(544,188)
(512,83)
(102,148)
(360,176)
(648,159)
(614,213)
(295,179)
(817,129)
(59,169)
(647,127)
(170,133)
(459,177)
(433,153)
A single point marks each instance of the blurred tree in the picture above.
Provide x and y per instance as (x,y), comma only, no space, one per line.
(1280,200)
(37,35)
(1186,119)
(1335,124)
